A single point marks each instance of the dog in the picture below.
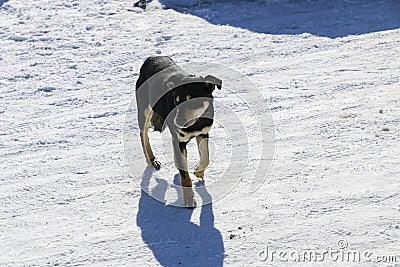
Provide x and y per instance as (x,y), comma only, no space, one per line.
(167,96)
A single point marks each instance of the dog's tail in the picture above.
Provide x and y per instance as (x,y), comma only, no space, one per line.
(157,122)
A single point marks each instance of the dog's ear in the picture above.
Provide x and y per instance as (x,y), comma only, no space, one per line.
(209,79)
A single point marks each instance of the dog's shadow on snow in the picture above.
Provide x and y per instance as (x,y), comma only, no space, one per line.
(322,18)
(169,233)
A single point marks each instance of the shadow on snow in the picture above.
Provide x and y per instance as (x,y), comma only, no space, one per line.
(168,232)
(327,18)
(2,2)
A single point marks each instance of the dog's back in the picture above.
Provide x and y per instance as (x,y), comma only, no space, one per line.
(153,65)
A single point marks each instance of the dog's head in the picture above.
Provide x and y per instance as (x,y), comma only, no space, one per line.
(192,97)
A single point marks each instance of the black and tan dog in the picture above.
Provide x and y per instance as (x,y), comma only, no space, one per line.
(168,96)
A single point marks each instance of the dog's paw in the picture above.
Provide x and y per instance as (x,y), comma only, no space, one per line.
(190,203)
(188,197)
(156,164)
(199,173)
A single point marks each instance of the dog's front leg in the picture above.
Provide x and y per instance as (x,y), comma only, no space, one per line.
(144,124)
(202,145)
(181,163)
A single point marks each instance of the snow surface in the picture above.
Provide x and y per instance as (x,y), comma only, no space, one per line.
(329,70)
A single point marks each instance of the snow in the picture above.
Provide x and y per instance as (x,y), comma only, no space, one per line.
(328,70)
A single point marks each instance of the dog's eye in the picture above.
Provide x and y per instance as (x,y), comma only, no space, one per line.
(177,99)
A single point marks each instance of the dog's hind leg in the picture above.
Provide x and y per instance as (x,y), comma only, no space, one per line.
(202,145)
(180,154)
(144,124)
